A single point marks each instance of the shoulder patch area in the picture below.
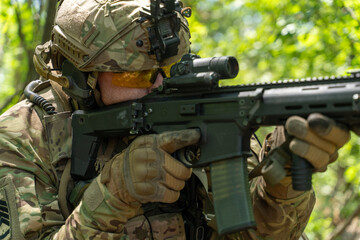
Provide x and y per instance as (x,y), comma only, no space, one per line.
(9,219)
(4,216)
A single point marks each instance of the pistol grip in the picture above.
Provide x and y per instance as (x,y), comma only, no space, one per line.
(231,192)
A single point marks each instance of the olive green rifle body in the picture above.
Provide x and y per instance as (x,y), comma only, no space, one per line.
(227,117)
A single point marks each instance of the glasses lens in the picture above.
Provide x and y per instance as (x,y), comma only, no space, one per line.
(139,79)
(166,70)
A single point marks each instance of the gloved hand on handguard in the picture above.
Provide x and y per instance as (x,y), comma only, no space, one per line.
(316,139)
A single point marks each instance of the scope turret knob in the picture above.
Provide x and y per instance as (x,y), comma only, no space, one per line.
(181,69)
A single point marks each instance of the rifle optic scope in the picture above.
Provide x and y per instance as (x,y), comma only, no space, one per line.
(225,66)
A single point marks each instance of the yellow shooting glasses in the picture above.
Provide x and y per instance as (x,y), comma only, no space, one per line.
(139,79)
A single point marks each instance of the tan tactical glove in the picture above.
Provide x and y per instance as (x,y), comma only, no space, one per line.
(317,139)
(146,172)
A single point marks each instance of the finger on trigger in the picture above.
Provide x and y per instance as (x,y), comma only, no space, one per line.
(317,157)
(176,168)
(299,128)
(175,140)
(328,129)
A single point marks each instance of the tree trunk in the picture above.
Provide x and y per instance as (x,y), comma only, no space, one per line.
(29,52)
(49,23)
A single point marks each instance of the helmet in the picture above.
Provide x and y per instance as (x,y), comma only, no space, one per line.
(116,35)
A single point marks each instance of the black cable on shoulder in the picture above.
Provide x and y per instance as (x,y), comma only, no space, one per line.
(36,99)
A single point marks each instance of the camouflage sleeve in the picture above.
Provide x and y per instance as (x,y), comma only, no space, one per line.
(32,160)
(279,218)
(29,207)
(98,216)
(282,217)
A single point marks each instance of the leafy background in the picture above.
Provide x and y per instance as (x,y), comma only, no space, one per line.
(272,40)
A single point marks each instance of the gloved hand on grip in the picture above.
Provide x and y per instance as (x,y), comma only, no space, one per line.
(146,172)
(316,139)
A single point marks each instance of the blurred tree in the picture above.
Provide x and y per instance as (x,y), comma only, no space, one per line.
(23,24)
(276,40)
(271,39)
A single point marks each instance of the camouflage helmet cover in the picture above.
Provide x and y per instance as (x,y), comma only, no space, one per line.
(102,35)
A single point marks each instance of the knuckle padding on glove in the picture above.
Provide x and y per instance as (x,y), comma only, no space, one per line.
(142,175)
(151,174)
(143,164)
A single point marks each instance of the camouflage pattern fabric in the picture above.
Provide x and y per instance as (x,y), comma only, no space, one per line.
(5,220)
(34,149)
(105,35)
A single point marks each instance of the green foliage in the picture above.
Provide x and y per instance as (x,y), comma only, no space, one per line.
(272,40)
(20,32)
(275,40)
(338,192)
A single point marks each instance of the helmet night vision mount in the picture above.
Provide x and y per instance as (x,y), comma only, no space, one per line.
(163,34)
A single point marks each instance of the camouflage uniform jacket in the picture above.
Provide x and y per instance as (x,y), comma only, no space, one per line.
(34,149)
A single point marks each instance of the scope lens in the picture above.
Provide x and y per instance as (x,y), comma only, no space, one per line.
(226,66)
(233,67)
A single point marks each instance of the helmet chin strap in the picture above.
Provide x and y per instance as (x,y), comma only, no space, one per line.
(92,82)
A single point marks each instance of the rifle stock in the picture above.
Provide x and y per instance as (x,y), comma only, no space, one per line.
(226,116)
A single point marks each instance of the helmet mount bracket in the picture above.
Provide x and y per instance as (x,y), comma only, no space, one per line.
(163,34)
(72,80)
(78,88)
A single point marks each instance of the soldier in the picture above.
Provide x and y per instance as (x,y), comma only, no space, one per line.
(114,45)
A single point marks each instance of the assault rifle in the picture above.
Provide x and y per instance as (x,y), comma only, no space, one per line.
(226,116)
